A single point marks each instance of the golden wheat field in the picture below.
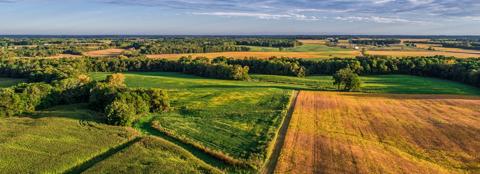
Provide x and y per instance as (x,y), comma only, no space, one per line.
(305,55)
(313,41)
(406,53)
(371,133)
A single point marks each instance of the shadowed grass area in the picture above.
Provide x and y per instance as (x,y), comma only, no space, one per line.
(7,82)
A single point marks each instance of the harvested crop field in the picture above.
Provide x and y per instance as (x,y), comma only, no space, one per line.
(422,53)
(305,55)
(334,132)
(313,41)
(105,52)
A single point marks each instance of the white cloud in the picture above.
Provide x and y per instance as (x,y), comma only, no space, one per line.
(376,19)
(292,16)
(421,2)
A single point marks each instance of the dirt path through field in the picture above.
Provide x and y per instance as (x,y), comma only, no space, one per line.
(273,160)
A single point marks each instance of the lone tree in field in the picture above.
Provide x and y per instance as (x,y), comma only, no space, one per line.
(347,80)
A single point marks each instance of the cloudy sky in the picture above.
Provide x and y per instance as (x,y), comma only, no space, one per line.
(419,17)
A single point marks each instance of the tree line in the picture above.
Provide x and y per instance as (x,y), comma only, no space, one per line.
(183,45)
(461,70)
(118,104)
(48,70)
(266,42)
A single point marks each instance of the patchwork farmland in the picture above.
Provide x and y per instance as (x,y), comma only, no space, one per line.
(224,105)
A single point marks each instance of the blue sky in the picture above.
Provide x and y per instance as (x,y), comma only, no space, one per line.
(417,17)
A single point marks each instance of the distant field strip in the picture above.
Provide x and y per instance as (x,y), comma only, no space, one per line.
(334,132)
(305,55)
(422,53)
(105,52)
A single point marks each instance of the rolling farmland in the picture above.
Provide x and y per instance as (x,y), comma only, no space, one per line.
(124,110)
(230,119)
(334,132)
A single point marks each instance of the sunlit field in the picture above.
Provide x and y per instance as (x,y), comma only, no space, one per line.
(334,132)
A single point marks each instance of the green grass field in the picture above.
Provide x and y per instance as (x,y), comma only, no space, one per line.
(394,84)
(152,155)
(7,82)
(235,118)
(55,140)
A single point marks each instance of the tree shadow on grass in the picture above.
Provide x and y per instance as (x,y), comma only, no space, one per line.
(80,112)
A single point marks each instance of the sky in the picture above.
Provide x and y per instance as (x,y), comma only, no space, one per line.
(240,17)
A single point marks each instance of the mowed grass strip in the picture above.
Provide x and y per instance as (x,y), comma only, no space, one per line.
(152,155)
(334,132)
(8,82)
(55,140)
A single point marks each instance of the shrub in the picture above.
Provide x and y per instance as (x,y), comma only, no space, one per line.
(9,103)
(159,101)
(117,80)
(120,113)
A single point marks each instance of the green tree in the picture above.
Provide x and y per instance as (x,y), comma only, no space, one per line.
(120,113)
(347,80)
